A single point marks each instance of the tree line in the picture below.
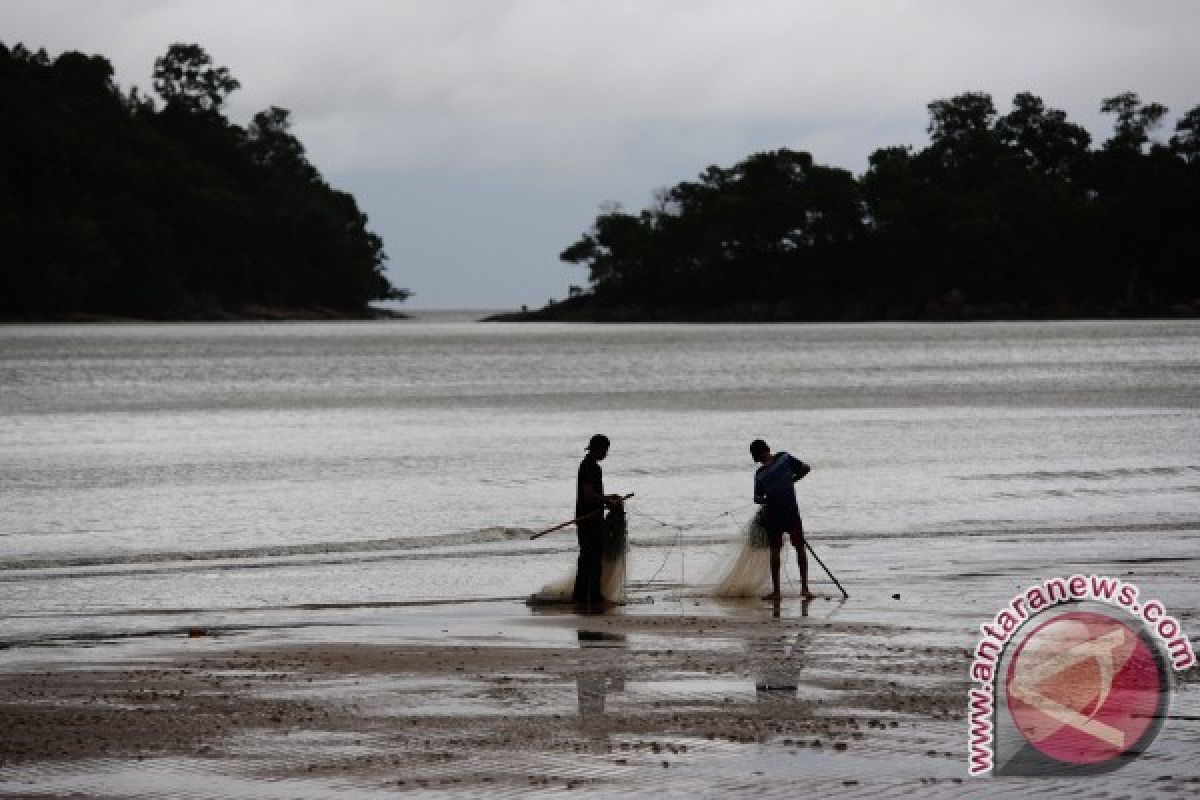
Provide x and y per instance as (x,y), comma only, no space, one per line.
(113,203)
(1000,215)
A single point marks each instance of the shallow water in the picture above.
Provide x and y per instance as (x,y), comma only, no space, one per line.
(245,476)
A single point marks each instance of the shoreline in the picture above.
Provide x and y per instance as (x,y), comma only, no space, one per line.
(618,316)
(764,314)
(248,314)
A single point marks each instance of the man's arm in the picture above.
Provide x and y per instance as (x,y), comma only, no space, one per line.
(799,469)
(760,494)
(591,496)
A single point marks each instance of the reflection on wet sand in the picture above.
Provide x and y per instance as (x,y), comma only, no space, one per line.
(778,672)
(593,685)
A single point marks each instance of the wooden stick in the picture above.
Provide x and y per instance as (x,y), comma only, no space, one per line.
(845,594)
(577,519)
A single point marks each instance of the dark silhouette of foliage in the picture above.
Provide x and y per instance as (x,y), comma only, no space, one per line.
(1135,120)
(999,215)
(109,205)
(1186,141)
(185,77)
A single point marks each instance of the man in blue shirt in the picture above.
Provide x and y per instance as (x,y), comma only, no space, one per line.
(774,489)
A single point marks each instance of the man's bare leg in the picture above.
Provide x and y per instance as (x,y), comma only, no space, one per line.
(802,562)
(776,547)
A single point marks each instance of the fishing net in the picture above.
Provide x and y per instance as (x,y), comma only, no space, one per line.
(613,563)
(748,570)
(555,593)
(616,547)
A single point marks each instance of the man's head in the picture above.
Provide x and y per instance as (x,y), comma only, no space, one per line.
(598,446)
(759,451)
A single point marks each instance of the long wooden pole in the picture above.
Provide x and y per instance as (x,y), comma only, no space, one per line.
(562,525)
(845,594)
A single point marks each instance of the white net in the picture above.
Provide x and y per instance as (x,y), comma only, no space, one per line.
(747,571)
(557,592)
(613,572)
(616,548)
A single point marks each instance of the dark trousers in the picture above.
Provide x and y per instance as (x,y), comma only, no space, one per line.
(591,553)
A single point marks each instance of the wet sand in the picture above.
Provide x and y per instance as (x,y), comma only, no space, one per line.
(609,702)
(673,695)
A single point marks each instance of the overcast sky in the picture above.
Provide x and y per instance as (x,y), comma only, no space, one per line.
(482,136)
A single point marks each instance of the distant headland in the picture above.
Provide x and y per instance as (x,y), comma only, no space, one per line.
(115,206)
(999,217)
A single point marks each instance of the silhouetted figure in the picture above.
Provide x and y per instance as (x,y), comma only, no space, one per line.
(590,502)
(774,489)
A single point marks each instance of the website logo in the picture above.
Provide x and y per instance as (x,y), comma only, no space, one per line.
(1073,677)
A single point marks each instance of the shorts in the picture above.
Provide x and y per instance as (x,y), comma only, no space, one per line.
(796,532)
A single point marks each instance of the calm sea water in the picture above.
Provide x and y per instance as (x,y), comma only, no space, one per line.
(240,476)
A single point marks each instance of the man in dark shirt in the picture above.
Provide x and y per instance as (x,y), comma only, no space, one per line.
(590,502)
(774,489)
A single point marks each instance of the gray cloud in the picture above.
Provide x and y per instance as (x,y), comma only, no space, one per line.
(481,135)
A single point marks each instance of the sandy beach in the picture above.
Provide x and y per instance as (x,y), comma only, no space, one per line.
(674,694)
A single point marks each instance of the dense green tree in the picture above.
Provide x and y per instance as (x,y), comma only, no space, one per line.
(274,148)
(776,224)
(999,215)
(1042,138)
(1130,206)
(960,131)
(1134,121)
(186,78)
(111,206)
(1186,141)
